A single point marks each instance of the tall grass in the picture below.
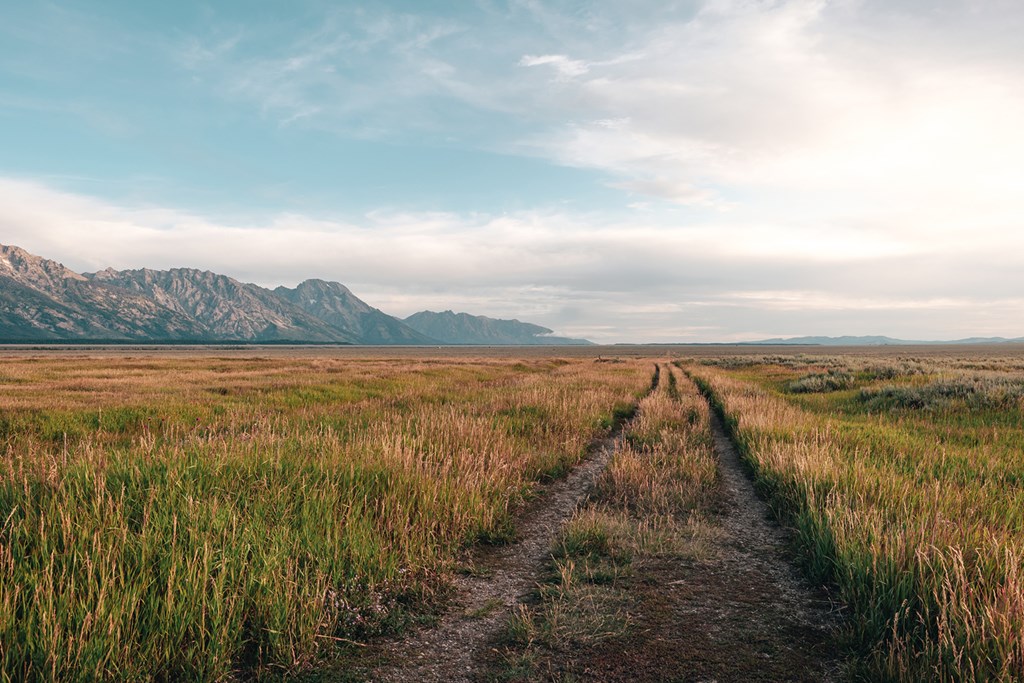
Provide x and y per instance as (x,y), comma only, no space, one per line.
(665,465)
(916,516)
(196,518)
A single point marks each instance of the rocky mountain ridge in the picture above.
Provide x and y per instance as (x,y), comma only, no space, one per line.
(223,307)
(42,300)
(333,303)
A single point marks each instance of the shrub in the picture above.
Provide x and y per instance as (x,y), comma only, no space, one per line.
(972,391)
(819,383)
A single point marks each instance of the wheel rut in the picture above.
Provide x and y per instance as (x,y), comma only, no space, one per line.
(742,612)
(747,612)
(449,650)
(446,652)
(737,611)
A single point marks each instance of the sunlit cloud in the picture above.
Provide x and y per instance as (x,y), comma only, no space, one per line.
(565,68)
(614,281)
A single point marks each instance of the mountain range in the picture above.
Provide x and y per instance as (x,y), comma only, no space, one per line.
(42,300)
(877,341)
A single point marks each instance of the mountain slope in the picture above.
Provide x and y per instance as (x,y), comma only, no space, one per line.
(226,308)
(463,328)
(43,300)
(336,305)
(29,315)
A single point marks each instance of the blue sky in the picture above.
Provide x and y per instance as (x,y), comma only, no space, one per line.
(706,170)
(238,107)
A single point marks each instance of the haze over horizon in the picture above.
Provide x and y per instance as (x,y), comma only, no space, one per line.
(716,170)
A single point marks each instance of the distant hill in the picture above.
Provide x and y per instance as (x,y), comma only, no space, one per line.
(463,328)
(876,341)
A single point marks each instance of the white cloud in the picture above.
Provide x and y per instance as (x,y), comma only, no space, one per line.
(565,68)
(352,65)
(609,278)
(671,190)
(196,54)
(812,111)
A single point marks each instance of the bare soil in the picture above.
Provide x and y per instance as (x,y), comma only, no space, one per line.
(749,613)
(741,613)
(503,576)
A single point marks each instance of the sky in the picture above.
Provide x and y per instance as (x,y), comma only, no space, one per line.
(644,171)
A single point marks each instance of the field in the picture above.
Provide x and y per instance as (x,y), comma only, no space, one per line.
(184,518)
(220,514)
(902,477)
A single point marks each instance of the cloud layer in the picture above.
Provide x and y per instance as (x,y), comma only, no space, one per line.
(605,279)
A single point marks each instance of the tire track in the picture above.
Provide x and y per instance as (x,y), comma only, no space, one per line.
(751,614)
(447,651)
(737,611)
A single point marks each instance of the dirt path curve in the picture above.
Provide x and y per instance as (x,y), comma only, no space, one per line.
(747,612)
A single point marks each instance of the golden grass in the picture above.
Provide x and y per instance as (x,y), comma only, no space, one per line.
(913,510)
(185,518)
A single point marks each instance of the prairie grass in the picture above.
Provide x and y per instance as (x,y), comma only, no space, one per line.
(201,518)
(906,495)
(652,501)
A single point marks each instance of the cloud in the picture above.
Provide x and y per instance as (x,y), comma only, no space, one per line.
(827,108)
(566,68)
(196,54)
(353,71)
(671,190)
(606,278)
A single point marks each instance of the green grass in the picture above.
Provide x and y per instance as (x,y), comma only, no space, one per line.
(154,529)
(905,494)
(821,382)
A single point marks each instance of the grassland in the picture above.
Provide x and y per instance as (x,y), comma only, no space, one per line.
(220,515)
(194,517)
(902,477)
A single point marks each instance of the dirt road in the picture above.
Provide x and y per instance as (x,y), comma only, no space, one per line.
(741,612)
